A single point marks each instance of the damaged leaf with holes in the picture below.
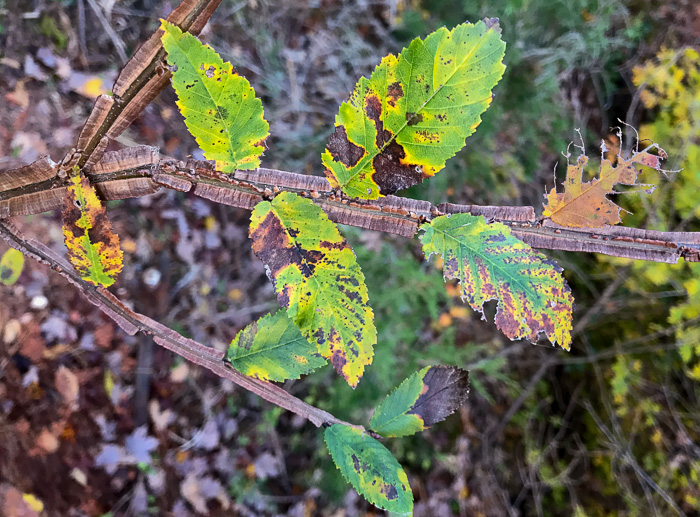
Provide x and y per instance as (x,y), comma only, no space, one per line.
(11,265)
(584,204)
(273,349)
(492,264)
(370,468)
(93,248)
(219,106)
(425,398)
(318,280)
(415,111)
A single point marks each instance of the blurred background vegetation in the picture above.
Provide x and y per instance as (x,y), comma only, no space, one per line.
(612,428)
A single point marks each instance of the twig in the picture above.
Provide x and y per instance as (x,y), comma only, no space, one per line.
(133,322)
(116,40)
(391,214)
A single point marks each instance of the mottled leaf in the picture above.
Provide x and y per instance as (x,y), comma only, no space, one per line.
(414,112)
(318,280)
(11,265)
(370,468)
(93,248)
(492,264)
(425,398)
(585,203)
(273,349)
(220,107)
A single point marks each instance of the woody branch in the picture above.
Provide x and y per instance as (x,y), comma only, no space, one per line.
(132,322)
(137,171)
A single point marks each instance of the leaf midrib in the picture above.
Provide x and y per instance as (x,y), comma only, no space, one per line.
(492,263)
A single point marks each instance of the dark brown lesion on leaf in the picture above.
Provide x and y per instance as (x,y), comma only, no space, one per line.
(272,246)
(334,245)
(338,360)
(389,491)
(390,174)
(393,93)
(5,273)
(445,388)
(413,118)
(342,149)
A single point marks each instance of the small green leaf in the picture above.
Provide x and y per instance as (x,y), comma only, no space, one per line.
(11,265)
(370,468)
(93,248)
(273,349)
(318,280)
(220,107)
(402,124)
(492,264)
(426,397)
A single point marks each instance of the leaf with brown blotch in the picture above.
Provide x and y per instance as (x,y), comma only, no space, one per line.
(584,204)
(93,248)
(425,398)
(317,278)
(402,124)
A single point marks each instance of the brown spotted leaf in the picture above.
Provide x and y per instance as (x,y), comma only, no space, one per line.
(318,280)
(492,264)
(585,203)
(415,111)
(370,468)
(11,265)
(93,248)
(220,107)
(425,398)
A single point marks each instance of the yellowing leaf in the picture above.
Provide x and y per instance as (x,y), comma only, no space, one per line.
(220,107)
(34,502)
(93,248)
(318,280)
(414,112)
(370,468)
(492,264)
(273,349)
(584,203)
(11,265)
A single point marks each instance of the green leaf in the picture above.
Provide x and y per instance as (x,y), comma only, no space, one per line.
(273,349)
(414,112)
(93,248)
(425,398)
(492,264)
(11,265)
(318,280)
(370,468)
(220,107)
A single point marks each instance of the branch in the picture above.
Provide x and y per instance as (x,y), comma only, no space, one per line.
(137,171)
(132,322)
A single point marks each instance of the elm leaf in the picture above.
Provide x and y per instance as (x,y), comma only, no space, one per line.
(423,399)
(93,248)
(318,280)
(220,107)
(11,265)
(273,349)
(402,124)
(370,468)
(492,264)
